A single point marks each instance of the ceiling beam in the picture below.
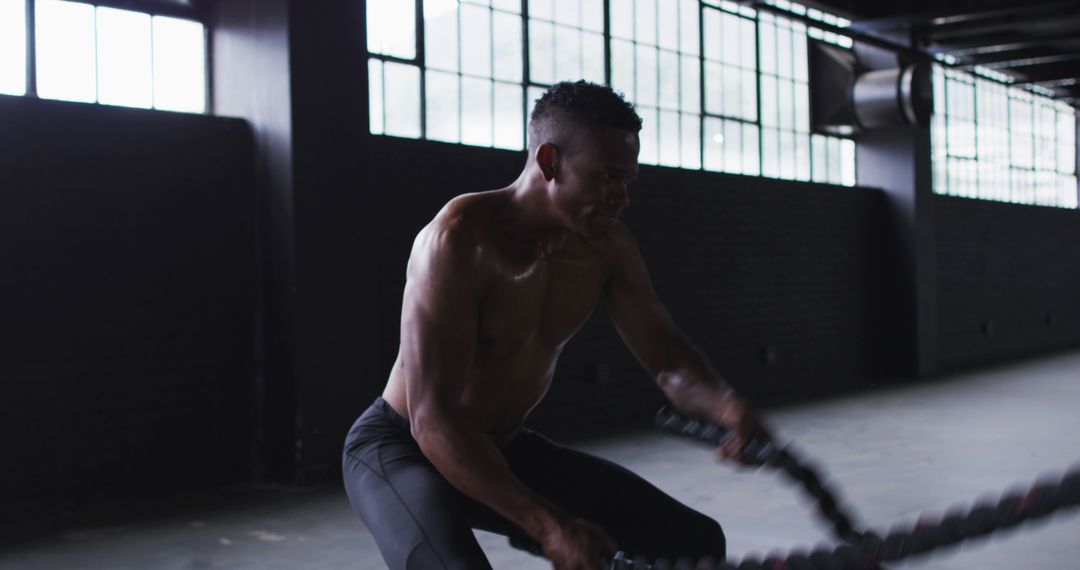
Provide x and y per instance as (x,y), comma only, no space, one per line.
(1015,58)
(949,17)
(999,43)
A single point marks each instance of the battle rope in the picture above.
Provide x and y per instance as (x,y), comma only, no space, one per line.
(865,550)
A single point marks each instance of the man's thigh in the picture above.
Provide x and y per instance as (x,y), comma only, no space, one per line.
(640,517)
(418,520)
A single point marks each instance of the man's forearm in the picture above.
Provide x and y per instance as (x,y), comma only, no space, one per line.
(472,463)
(689,380)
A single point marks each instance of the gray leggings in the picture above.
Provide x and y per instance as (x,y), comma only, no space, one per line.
(422,522)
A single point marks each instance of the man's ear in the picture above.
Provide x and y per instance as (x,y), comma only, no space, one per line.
(547,158)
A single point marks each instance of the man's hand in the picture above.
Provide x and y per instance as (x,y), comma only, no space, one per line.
(731,412)
(574,544)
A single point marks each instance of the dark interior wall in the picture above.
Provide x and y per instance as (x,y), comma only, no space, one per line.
(1009,280)
(781,283)
(126,295)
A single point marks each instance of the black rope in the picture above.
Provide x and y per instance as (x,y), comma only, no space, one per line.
(864,550)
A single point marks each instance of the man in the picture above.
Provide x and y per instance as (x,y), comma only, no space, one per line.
(496,285)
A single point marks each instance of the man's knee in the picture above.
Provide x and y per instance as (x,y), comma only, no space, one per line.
(707,538)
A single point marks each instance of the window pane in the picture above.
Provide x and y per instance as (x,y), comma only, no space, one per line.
(770,153)
(13,47)
(645,20)
(568,12)
(691,141)
(543,9)
(66,51)
(124,69)
(751,150)
(509,125)
(713,35)
(691,84)
(749,97)
(767,46)
(622,19)
(801,59)
(819,152)
(649,135)
(442,106)
(646,75)
(622,67)
(668,23)
(730,40)
(784,63)
(567,54)
(391,28)
(476,41)
(733,146)
(592,13)
(179,65)
(802,108)
(441,34)
(748,59)
(769,112)
(507,47)
(689,33)
(476,111)
(835,161)
(714,144)
(787,155)
(732,91)
(802,156)
(402,96)
(669,138)
(592,52)
(375,97)
(508,5)
(669,80)
(541,52)
(714,95)
(1066,136)
(786,104)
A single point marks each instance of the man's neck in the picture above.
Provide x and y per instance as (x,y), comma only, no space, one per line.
(529,217)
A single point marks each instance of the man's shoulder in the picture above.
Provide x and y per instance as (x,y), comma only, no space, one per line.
(465,214)
(458,229)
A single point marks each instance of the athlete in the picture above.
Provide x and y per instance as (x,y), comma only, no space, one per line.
(497,284)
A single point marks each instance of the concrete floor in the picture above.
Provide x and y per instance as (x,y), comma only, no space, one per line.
(893,453)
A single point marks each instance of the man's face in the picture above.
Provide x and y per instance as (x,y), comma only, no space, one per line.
(592,180)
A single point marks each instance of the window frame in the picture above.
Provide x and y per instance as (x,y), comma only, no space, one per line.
(823,27)
(193,10)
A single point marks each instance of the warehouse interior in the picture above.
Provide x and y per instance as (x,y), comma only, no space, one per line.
(865,214)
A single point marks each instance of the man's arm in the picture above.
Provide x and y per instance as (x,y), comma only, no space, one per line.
(438,337)
(685,376)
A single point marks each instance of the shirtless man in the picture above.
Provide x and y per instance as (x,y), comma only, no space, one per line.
(497,284)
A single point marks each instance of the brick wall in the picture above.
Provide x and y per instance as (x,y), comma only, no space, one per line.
(1009,280)
(127,303)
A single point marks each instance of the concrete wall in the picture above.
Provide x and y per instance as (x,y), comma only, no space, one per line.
(126,303)
(1009,280)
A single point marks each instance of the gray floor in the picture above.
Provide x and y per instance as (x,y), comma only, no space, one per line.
(894,454)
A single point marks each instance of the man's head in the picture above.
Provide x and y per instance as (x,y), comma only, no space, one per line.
(584,139)
(567,104)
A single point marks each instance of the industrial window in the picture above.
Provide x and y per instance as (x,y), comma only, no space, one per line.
(13,47)
(996,142)
(97,53)
(720,86)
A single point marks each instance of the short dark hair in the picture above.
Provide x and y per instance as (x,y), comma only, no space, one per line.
(593,104)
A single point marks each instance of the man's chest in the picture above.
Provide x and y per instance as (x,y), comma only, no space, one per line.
(543,302)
